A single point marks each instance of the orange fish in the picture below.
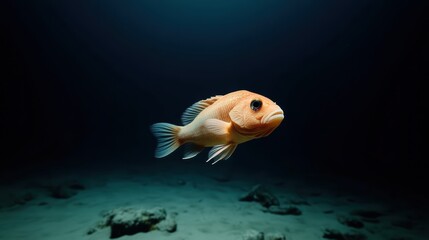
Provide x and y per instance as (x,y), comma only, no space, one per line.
(220,122)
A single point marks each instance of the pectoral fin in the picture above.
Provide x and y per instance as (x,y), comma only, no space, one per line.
(237,117)
(220,152)
(217,127)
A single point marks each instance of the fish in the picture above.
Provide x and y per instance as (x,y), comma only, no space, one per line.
(220,122)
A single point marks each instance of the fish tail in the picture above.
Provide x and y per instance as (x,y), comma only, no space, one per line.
(167,136)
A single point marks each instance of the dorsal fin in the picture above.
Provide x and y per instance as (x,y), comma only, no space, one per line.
(192,112)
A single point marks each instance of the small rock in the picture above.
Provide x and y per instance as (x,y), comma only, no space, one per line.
(328,211)
(91,231)
(333,234)
(62,192)
(299,202)
(262,195)
(253,235)
(283,211)
(129,221)
(275,236)
(367,214)
(337,235)
(12,199)
(42,204)
(23,199)
(354,223)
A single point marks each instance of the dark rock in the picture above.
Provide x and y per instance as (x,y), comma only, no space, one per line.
(299,202)
(129,221)
(42,204)
(91,231)
(262,195)
(333,234)
(8,199)
(337,235)
(283,211)
(23,199)
(354,223)
(253,235)
(62,192)
(368,214)
(328,211)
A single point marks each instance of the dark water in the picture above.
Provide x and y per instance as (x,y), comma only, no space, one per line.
(82,81)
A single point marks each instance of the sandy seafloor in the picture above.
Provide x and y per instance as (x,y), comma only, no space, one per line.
(205,199)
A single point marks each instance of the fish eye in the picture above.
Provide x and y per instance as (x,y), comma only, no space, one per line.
(256,104)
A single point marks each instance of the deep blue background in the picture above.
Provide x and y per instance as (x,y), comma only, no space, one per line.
(83,80)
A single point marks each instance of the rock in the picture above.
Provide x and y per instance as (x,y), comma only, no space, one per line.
(367,214)
(275,236)
(283,211)
(262,195)
(23,199)
(129,221)
(334,234)
(168,225)
(91,231)
(62,192)
(354,223)
(8,199)
(253,235)
(299,202)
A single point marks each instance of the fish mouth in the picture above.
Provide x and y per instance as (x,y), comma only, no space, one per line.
(275,116)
